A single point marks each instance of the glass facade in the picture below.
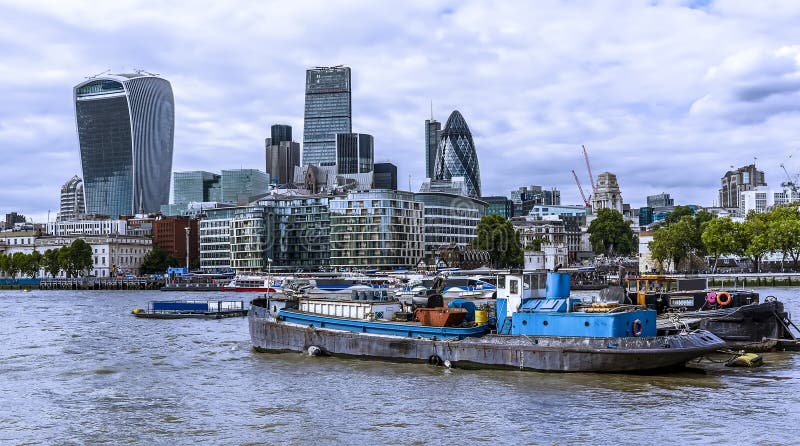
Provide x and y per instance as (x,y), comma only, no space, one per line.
(280,133)
(215,239)
(385,176)
(125,131)
(299,231)
(328,111)
(449,219)
(456,156)
(354,153)
(249,240)
(433,132)
(376,229)
(499,205)
(194,186)
(240,184)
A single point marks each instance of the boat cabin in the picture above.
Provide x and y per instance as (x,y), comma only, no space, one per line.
(555,313)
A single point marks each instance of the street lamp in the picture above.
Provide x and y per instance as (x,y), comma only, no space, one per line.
(187,249)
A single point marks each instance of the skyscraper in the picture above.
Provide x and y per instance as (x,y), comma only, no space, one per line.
(283,154)
(280,133)
(456,156)
(433,131)
(328,111)
(737,181)
(355,153)
(385,176)
(72,204)
(126,128)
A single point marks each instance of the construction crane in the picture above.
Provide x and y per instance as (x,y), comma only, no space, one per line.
(589,168)
(583,195)
(789,183)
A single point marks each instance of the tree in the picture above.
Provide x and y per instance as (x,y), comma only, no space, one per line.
(784,231)
(81,256)
(16,262)
(610,234)
(674,242)
(756,237)
(4,263)
(721,236)
(678,213)
(76,258)
(50,262)
(496,235)
(31,268)
(157,261)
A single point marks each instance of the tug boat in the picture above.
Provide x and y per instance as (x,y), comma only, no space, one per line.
(552,333)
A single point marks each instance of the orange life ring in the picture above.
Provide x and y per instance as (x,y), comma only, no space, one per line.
(724,298)
(637,327)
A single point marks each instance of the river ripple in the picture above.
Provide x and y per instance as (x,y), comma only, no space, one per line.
(77,368)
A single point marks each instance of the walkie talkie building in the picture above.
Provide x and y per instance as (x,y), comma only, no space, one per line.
(456,156)
(126,127)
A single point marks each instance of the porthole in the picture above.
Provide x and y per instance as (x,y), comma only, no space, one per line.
(545,322)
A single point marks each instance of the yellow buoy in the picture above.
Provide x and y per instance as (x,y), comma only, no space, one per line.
(481,317)
(137,311)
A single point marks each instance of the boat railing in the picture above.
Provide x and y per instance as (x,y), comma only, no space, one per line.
(178,306)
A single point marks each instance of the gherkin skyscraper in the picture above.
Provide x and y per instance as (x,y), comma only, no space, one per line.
(456,156)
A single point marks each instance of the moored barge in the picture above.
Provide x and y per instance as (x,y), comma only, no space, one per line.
(532,333)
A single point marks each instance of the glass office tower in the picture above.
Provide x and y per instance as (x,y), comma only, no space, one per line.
(433,132)
(355,153)
(126,126)
(456,156)
(328,112)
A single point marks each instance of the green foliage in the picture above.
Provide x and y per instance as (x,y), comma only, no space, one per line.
(496,235)
(678,213)
(722,236)
(157,261)
(784,232)
(611,235)
(674,242)
(75,259)
(51,263)
(756,237)
(680,237)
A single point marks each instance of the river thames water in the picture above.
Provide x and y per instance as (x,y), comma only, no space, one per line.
(77,368)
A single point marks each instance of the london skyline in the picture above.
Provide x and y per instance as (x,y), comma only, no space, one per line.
(666,96)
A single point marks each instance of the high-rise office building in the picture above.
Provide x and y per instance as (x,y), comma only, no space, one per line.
(433,131)
(72,204)
(355,153)
(279,133)
(456,156)
(239,185)
(283,154)
(385,176)
(125,129)
(737,181)
(328,111)
(660,200)
(195,186)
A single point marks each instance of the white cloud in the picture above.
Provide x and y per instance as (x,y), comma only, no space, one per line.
(665,95)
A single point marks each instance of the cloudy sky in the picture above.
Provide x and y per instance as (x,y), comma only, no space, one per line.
(668,95)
